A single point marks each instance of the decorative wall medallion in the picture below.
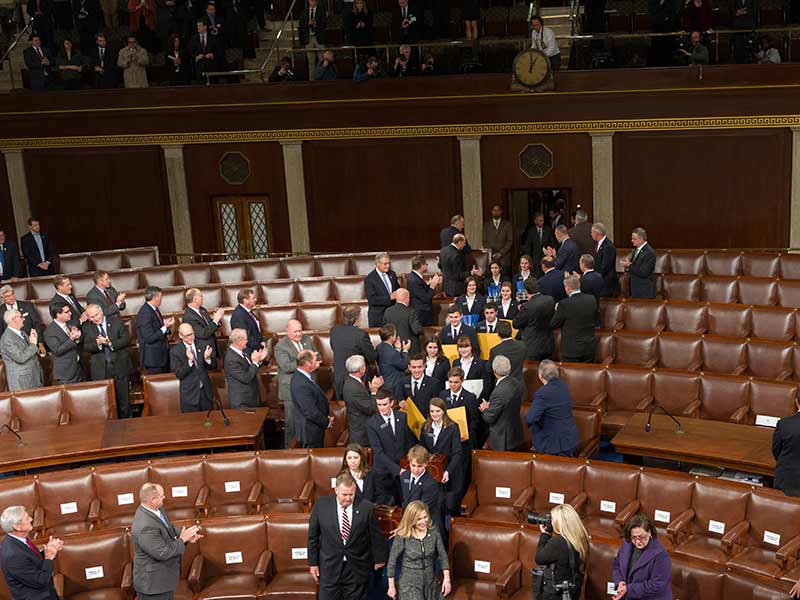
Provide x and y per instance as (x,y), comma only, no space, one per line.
(234,168)
(536,161)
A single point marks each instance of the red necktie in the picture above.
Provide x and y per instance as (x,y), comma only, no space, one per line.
(33,547)
(160,318)
(108,297)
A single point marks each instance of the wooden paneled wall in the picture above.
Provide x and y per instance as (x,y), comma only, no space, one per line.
(6,211)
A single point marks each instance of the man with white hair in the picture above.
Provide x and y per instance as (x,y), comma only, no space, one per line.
(20,354)
(501,411)
(30,317)
(359,400)
(190,361)
(286,352)
(380,287)
(107,340)
(241,371)
(28,570)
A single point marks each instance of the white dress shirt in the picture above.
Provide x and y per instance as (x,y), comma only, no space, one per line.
(545,40)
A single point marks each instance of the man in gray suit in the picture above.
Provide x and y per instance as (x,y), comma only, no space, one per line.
(241,372)
(158,546)
(105,296)
(501,411)
(64,341)
(359,400)
(498,237)
(286,356)
(20,353)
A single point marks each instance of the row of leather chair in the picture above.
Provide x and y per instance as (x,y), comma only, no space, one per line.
(120,258)
(747,263)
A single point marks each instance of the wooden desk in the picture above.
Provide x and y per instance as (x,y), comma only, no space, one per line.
(126,437)
(740,447)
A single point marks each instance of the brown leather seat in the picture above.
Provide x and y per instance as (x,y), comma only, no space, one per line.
(89,401)
(681,287)
(347,289)
(183,483)
(724,354)
(81,284)
(500,488)
(117,488)
(146,256)
(719,289)
(6,412)
(605,345)
(129,280)
(173,300)
(746,586)
(528,543)
(761,264)
(677,391)
(588,423)
(264,269)
(133,302)
(232,481)
(635,348)
(336,435)
(628,390)
(686,262)
(724,398)
(680,351)
(695,580)
(40,288)
(42,308)
(318,316)
(663,260)
(665,497)
(586,383)
(166,276)
(770,359)
(645,315)
(556,480)
(599,576)
(723,262)
(68,501)
(274,318)
(685,317)
(108,260)
(228,272)
(325,466)
(611,492)
(401,261)
(213,296)
(95,567)
(322,340)
(277,292)
(161,395)
(773,323)
(21,491)
(234,559)
(38,408)
(770,400)
(729,319)
(314,290)
(759,291)
(297,267)
(287,572)
(284,481)
(790,266)
(74,263)
(612,313)
(333,265)
(363,263)
(194,275)
(230,292)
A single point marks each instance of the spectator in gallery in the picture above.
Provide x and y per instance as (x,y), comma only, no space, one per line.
(87,21)
(326,69)
(499,237)
(133,60)
(543,38)
(38,62)
(142,21)
(405,24)
(70,65)
(10,266)
(203,51)
(37,250)
(642,567)
(103,62)
(312,26)
(283,71)
(358,24)
(696,53)
(405,64)
(368,70)
(471,14)
(427,66)
(697,15)
(177,61)
(641,266)
(768,54)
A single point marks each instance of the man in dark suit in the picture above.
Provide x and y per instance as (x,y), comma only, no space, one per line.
(204,51)
(418,386)
(359,399)
(103,62)
(190,361)
(576,315)
(499,238)
(390,440)
(39,63)
(514,350)
(348,340)
(447,234)
(566,258)
(605,260)
(418,484)
(105,296)
(10,266)
(591,281)
(455,329)
(533,319)
(243,317)
(65,295)
(312,416)
(641,266)
(501,411)
(28,570)
(380,288)
(406,23)
(490,321)
(30,316)
(535,239)
(152,332)
(204,324)
(64,342)
(38,250)
(581,232)
(552,282)
(553,429)
(404,318)
(786,450)
(241,371)
(453,261)
(421,291)
(286,351)
(345,543)
(458,396)
(107,340)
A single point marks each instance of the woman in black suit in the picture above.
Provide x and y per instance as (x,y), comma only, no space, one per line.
(473,366)
(177,61)
(436,363)
(493,277)
(355,462)
(507,308)
(440,435)
(358,24)
(471,302)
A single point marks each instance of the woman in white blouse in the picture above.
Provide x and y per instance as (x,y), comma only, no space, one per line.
(436,363)
(355,462)
(507,307)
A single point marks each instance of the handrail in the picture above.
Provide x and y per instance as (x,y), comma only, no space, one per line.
(11,48)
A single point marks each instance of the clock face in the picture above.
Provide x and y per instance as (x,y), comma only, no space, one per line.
(530,67)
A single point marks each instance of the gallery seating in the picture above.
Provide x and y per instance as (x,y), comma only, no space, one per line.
(108,259)
(746,263)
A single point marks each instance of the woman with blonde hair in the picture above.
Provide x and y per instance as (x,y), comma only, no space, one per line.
(562,553)
(419,543)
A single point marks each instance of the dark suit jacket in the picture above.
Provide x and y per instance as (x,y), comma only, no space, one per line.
(321,18)
(502,416)
(378,298)
(533,243)
(510,313)
(592,284)
(576,316)
(392,365)
(360,407)
(77,310)
(365,547)
(204,331)
(476,369)
(110,309)
(449,444)
(499,241)
(29,575)
(421,297)
(446,238)
(120,339)
(195,386)
(514,351)
(31,253)
(388,448)
(110,75)
(477,305)
(311,411)
(552,284)
(11,265)
(347,341)
(38,75)
(241,377)
(553,429)
(30,318)
(195,47)
(605,263)
(429,388)
(369,488)
(446,336)
(483,326)
(66,355)
(581,234)
(412,33)
(533,320)
(241,318)
(404,318)
(429,491)
(642,273)
(567,257)
(786,450)
(454,270)
(153,344)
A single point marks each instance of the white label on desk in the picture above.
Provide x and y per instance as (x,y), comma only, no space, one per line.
(502,492)
(233,558)
(94,572)
(124,499)
(483,566)
(69,507)
(772,538)
(556,498)
(299,553)
(610,589)
(767,421)
(333,483)
(608,506)
(716,526)
(662,516)
(180,491)
(232,486)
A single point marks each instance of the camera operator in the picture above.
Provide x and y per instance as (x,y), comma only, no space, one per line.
(697,54)
(561,554)
(767,53)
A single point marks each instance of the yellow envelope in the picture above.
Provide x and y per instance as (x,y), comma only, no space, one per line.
(487,341)
(450,351)
(459,417)
(414,417)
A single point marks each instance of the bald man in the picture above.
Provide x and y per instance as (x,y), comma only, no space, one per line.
(286,355)
(405,319)
(191,360)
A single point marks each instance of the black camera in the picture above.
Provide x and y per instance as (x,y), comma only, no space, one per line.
(535,518)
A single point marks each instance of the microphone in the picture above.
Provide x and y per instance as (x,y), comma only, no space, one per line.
(215,401)
(20,443)
(647,426)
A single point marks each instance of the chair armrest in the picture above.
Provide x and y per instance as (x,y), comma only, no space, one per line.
(196,573)
(592,446)
(521,502)
(201,502)
(58,583)
(264,561)
(739,415)
(38,518)
(470,500)
(598,399)
(94,511)
(679,523)
(510,581)
(255,494)
(305,495)
(578,501)
(329,394)
(691,409)
(63,418)
(16,424)
(644,404)
(344,438)
(627,513)
(127,578)
(788,551)
(733,535)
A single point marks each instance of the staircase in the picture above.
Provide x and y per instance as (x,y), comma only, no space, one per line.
(266,39)
(557,19)
(16,64)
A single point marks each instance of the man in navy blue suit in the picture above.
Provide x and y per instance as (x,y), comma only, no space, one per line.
(458,396)
(553,429)
(152,331)
(37,250)
(243,317)
(552,282)
(380,286)
(9,258)
(421,291)
(418,386)
(567,255)
(591,281)
(27,569)
(641,266)
(455,329)
(418,484)
(605,260)
(312,416)
(390,440)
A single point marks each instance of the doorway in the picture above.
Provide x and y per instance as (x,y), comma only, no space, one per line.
(242,226)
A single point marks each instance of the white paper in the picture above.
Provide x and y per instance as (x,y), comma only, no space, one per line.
(716,526)
(767,421)
(483,566)
(232,486)
(662,516)
(502,492)
(299,553)
(333,483)
(556,498)
(608,506)
(233,558)
(772,538)
(123,499)
(610,589)
(69,507)
(94,572)
(180,491)
(473,385)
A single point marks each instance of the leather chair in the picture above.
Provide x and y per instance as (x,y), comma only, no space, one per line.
(297,267)
(184,485)
(264,269)
(233,559)
(528,543)
(586,383)
(213,296)
(38,408)
(40,288)
(336,436)
(322,340)
(685,317)
(109,260)
(663,260)
(287,573)
(729,319)
(133,302)
(770,400)
(314,290)
(605,347)
(748,587)
(230,292)
(611,492)
(325,466)
(636,348)
(161,395)
(724,354)
(483,560)
(719,289)
(770,534)
(790,266)
(588,423)
(761,264)
(89,401)
(696,580)
(500,488)
(184,591)
(629,390)
(677,391)
(95,567)
(67,499)
(274,318)
(232,481)
(348,289)
(333,265)
(145,256)
(284,482)
(724,398)
(602,552)
(162,277)
(665,497)
(687,262)
(401,261)
(317,316)
(681,287)
(74,263)
(770,359)
(173,300)
(645,315)
(129,280)
(81,284)
(363,263)
(773,323)
(194,275)
(723,262)
(760,291)
(21,491)
(42,308)
(556,480)
(117,489)
(612,313)
(228,272)
(680,351)
(7,413)
(277,292)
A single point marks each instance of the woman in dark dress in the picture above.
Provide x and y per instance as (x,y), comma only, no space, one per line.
(355,462)
(436,363)
(507,308)
(177,60)
(471,302)
(493,278)
(70,65)
(566,536)
(440,435)
(358,24)
(471,13)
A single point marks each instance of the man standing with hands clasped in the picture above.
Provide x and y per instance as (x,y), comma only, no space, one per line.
(158,546)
